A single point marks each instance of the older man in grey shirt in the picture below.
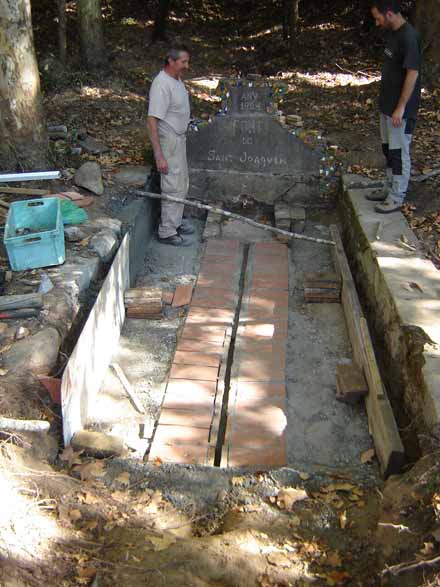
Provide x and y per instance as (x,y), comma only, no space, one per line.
(168,119)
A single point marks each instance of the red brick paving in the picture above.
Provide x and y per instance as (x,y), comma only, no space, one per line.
(192,418)
(205,333)
(209,316)
(191,358)
(271,455)
(176,435)
(192,395)
(255,435)
(194,372)
(194,345)
(192,455)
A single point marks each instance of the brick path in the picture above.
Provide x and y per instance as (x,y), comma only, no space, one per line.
(188,423)
(255,433)
(190,416)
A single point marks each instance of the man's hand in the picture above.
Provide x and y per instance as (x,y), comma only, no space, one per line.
(161,164)
(397,117)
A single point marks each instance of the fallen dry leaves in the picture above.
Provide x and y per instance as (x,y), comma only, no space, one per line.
(288,496)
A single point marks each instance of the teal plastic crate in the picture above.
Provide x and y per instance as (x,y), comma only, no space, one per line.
(34,234)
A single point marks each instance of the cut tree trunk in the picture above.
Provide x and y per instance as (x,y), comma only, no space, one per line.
(91,32)
(23,144)
(160,23)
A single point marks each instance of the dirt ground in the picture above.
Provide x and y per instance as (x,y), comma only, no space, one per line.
(69,520)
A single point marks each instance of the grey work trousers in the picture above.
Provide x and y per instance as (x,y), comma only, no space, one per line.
(175,182)
(396,146)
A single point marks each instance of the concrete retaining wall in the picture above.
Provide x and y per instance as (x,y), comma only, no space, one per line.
(401,291)
(99,338)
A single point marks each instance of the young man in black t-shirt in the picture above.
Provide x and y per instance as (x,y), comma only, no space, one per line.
(399,100)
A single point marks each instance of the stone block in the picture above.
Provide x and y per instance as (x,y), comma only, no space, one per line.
(97,444)
(89,177)
(36,354)
(104,244)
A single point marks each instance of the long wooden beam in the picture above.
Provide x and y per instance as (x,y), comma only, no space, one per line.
(383,427)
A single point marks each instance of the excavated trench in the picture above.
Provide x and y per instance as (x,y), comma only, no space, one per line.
(298,421)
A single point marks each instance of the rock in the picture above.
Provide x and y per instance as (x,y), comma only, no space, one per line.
(92,146)
(35,354)
(74,234)
(104,243)
(3,328)
(57,132)
(21,333)
(222,495)
(81,134)
(278,559)
(98,444)
(75,276)
(133,175)
(89,176)
(107,223)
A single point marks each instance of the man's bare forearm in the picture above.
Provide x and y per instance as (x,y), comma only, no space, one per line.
(408,87)
(154,136)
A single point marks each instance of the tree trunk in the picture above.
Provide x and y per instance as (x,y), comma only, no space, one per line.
(286,7)
(428,24)
(91,34)
(161,20)
(62,43)
(23,144)
(293,23)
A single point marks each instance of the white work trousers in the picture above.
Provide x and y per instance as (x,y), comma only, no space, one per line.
(396,146)
(175,182)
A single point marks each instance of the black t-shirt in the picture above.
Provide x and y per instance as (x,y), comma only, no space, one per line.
(402,52)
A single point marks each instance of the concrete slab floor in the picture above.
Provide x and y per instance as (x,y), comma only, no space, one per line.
(323,435)
(146,349)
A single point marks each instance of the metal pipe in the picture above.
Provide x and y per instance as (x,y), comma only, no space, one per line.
(31,176)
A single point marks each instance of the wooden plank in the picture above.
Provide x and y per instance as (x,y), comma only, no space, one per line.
(312,294)
(383,427)
(322,280)
(16,302)
(133,312)
(96,345)
(24,191)
(182,295)
(371,369)
(143,293)
(350,383)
